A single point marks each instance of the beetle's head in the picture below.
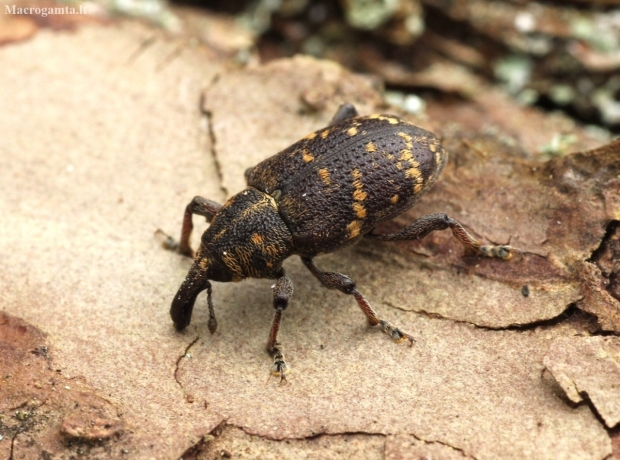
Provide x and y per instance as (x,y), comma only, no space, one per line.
(247,238)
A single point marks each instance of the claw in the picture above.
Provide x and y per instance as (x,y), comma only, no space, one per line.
(279,367)
(167,242)
(503,252)
(280,371)
(396,334)
(170,244)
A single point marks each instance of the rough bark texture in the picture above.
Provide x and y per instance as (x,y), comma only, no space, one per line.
(589,367)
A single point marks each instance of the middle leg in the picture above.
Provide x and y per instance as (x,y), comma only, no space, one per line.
(282,292)
(346,285)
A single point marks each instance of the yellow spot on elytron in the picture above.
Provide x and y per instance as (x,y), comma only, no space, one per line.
(353,229)
(394,199)
(370,147)
(399,166)
(406,155)
(390,157)
(360,210)
(256,239)
(390,120)
(432,147)
(310,136)
(414,173)
(324,134)
(417,188)
(203,263)
(408,140)
(324,175)
(307,156)
(352,131)
(359,195)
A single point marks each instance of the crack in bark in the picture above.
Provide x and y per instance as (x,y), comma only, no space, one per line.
(570,311)
(191,453)
(170,57)
(199,446)
(218,166)
(213,139)
(609,231)
(585,399)
(607,258)
(176,368)
(605,334)
(139,50)
(13,444)
(26,404)
(458,449)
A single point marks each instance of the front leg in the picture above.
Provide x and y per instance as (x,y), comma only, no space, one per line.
(431,222)
(200,206)
(346,285)
(282,292)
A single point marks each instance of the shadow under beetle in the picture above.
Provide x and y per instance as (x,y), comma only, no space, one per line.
(325,192)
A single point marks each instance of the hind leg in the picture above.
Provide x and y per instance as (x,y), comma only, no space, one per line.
(346,285)
(431,222)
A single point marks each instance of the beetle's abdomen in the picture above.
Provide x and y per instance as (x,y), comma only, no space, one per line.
(336,184)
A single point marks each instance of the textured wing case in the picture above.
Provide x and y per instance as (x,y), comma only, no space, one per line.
(336,184)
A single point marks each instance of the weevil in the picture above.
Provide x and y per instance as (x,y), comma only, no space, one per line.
(321,194)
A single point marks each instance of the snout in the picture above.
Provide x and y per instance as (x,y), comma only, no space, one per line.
(183,302)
